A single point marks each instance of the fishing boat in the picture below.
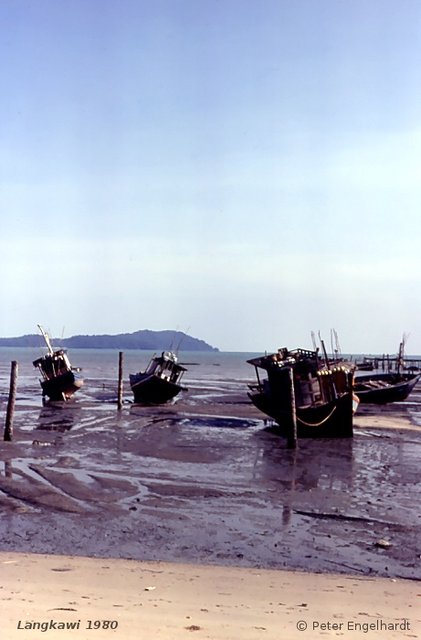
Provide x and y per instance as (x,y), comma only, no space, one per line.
(59,379)
(390,386)
(382,388)
(366,364)
(160,382)
(317,390)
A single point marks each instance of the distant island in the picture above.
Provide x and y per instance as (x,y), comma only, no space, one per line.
(144,339)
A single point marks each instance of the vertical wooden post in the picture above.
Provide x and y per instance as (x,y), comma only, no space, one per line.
(120,381)
(292,427)
(8,429)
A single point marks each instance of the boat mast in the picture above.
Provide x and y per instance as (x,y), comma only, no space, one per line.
(401,355)
(328,367)
(336,350)
(313,338)
(183,335)
(326,359)
(47,340)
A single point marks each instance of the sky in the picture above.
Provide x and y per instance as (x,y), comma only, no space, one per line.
(246,172)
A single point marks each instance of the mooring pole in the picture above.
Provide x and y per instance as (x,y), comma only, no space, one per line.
(120,381)
(8,429)
(292,427)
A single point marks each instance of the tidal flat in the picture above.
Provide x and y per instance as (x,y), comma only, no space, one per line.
(207,480)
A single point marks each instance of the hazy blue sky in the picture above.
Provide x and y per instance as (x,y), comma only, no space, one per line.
(244,170)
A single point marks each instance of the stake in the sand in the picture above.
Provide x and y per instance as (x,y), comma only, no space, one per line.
(120,381)
(292,413)
(8,429)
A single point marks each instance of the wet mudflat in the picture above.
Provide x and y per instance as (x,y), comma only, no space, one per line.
(207,480)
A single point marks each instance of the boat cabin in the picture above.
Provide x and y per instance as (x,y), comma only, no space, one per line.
(53,364)
(166,367)
(315,381)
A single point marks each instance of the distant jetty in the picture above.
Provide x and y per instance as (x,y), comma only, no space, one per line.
(142,339)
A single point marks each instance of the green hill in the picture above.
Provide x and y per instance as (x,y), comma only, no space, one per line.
(143,339)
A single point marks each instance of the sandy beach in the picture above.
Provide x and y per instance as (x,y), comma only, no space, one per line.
(194,517)
(41,595)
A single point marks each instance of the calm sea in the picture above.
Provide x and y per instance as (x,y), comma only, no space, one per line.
(100,367)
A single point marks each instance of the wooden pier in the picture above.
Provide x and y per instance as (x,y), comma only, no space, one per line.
(388,363)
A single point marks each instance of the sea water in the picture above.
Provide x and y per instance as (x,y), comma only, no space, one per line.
(209,370)
(212,370)
(103,363)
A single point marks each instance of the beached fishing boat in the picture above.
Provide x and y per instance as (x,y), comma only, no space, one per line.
(160,382)
(59,379)
(382,388)
(321,396)
(390,386)
(366,364)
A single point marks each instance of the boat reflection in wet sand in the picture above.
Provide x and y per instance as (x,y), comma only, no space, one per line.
(160,381)
(322,393)
(59,379)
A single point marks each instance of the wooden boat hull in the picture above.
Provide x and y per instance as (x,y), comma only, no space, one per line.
(328,420)
(151,389)
(61,387)
(383,388)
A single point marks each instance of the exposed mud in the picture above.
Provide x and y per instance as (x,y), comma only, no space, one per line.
(206,479)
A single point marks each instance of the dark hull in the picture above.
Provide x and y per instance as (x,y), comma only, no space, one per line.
(396,387)
(61,387)
(328,420)
(151,389)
